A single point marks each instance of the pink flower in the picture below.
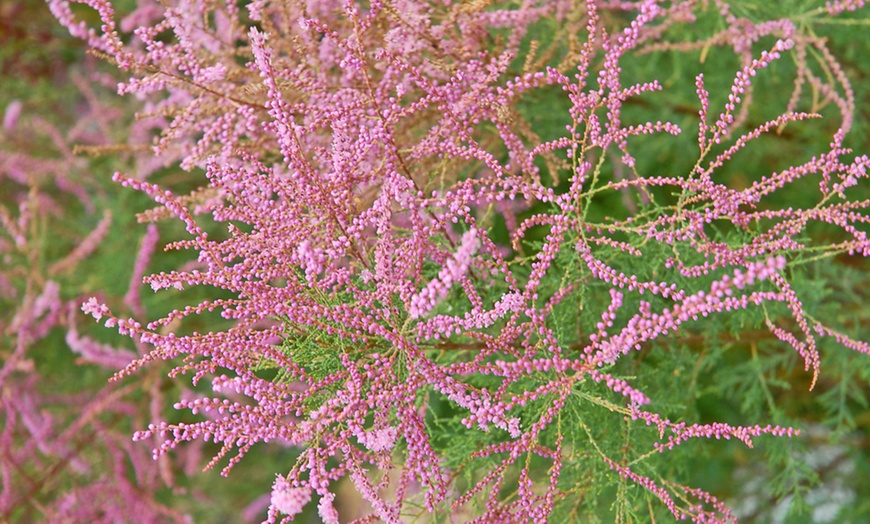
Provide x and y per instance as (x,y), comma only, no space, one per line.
(287,499)
(10,118)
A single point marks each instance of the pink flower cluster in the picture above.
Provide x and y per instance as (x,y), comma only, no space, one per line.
(355,147)
(287,499)
(454,269)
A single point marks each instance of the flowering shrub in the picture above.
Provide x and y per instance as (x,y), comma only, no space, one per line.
(462,313)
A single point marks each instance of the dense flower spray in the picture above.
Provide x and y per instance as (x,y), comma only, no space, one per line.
(407,260)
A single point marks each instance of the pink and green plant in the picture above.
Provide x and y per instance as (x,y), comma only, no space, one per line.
(465,313)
